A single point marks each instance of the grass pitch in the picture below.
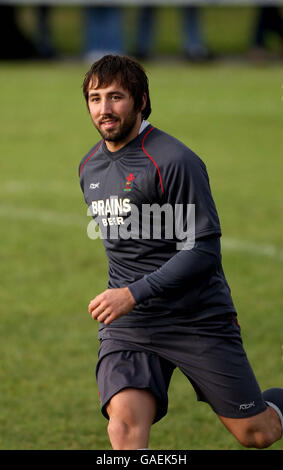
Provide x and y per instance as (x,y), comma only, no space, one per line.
(232,117)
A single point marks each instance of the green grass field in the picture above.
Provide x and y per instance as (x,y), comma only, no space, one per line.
(232,116)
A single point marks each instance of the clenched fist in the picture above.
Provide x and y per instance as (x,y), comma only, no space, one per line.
(111,304)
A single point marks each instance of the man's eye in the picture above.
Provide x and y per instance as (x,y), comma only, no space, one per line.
(116,97)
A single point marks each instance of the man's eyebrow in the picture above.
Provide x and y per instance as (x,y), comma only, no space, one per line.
(96,93)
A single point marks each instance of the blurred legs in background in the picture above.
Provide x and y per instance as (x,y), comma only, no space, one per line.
(194,46)
(103,33)
(269,20)
(193,43)
(14,43)
(145,32)
(43,32)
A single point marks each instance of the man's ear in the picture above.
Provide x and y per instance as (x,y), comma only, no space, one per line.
(144,100)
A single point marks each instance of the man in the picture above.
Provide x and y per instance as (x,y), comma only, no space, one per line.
(167,305)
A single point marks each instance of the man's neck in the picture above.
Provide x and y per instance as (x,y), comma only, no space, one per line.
(115,146)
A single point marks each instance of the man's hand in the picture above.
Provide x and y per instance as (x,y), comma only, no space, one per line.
(111,304)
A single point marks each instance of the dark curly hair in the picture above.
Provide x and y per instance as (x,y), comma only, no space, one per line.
(127,71)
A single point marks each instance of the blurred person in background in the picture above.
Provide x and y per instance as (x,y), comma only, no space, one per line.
(193,46)
(103,31)
(269,20)
(16,45)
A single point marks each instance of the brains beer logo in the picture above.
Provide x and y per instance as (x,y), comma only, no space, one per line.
(129,180)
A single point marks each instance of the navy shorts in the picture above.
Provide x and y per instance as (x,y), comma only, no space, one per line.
(210,353)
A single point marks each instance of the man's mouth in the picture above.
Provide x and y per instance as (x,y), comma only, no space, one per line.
(109,123)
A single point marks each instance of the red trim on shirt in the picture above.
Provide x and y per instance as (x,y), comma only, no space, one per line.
(155,164)
(90,157)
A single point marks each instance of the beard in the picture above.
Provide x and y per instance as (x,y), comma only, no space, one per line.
(121,132)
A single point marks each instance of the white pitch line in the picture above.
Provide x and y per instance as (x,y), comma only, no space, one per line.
(269,251)
(48,217)
(75,220)
(54,186)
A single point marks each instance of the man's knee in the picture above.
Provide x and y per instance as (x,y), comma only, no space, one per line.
(118,428)
(127,433)
(260,431)
(131,413)
(133,406)
(250,437)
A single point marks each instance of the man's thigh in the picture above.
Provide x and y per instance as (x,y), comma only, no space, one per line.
(139,370)
(218,368)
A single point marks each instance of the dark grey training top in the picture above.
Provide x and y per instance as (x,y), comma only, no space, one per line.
(169,285)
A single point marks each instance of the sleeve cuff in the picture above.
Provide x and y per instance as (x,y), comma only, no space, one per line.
(141,290)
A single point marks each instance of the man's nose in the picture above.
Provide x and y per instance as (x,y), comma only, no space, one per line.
(105,107)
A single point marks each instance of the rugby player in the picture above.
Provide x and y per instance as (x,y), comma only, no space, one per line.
(165,306)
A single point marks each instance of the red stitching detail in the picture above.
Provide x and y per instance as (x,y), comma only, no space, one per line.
(156,166)
(90,157)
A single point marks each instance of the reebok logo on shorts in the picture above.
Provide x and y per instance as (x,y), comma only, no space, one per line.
(246,406)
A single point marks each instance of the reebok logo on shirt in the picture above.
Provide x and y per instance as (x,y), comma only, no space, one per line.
(94,185)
